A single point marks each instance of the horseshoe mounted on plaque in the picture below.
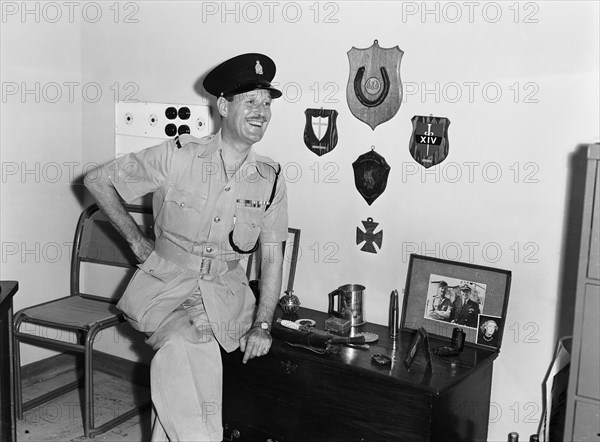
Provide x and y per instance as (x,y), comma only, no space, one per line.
(374,90)
(358,88)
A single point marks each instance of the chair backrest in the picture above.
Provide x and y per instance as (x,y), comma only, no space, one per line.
(102,262)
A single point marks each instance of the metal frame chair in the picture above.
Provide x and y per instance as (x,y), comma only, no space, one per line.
(98,242)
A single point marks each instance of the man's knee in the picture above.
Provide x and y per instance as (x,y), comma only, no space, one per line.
(172,337)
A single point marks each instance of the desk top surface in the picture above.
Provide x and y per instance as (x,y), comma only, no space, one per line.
(447,371)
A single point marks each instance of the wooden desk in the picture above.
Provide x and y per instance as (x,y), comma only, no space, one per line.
(293,394)
(7,415)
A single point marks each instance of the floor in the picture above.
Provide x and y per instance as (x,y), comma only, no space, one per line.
(60,419)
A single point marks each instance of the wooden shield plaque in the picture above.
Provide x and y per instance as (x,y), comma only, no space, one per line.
(374,90)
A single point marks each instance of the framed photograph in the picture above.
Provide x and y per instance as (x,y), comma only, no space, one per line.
(420,340)
(291,248)
(442,294)
(290,259)
(489,330)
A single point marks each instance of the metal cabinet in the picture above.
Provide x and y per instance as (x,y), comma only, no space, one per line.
(582,420)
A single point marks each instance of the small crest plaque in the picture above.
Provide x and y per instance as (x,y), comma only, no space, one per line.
(320,131)
(429,140)
(370,175)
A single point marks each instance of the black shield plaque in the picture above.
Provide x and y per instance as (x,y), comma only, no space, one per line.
(370,175)
(320,131)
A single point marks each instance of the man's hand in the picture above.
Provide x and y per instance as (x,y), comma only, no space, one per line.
(254,343)
(142,248)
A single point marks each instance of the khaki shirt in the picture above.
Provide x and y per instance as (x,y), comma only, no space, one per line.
(196,210)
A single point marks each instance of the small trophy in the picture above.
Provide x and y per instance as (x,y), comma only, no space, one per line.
(289,303)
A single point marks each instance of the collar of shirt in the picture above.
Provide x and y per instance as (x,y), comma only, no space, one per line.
(248,168)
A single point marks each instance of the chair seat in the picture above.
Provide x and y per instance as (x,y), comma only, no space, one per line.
(102,264)
(73,312)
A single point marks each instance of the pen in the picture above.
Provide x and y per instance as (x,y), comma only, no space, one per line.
(393,318)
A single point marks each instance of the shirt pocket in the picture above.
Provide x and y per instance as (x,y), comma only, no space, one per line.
(182,211)
(160,268)
(246,229)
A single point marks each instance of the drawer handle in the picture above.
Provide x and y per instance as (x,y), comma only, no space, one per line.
(235,434)
(288,367)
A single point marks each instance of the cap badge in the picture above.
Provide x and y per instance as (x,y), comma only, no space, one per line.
(258,68)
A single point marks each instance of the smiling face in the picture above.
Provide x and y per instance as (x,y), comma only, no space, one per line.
(490,328)
(246,116)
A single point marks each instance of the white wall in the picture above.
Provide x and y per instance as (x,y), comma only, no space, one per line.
(514,221)
(41,154)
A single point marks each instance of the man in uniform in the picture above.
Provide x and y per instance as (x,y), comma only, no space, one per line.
(441,307)
(470,310)
(214,198)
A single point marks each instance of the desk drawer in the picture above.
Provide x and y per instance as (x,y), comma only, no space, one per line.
(301,399)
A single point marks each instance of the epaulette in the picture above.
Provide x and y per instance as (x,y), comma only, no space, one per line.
(185,139)
(269,165)
(199,146)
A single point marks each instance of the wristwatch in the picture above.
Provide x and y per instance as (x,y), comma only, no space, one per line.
(264,325)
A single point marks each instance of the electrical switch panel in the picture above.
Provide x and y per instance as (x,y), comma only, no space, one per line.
(141,125)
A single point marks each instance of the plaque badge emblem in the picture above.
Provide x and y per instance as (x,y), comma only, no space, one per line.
(370,175)
(429,140)
(320,131)
(369,238)
(374,90)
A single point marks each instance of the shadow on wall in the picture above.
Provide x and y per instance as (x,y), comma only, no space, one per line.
(571,240)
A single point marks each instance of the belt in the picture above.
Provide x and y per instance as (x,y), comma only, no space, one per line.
(208,268)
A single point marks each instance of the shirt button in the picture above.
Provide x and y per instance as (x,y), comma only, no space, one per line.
(209,249)
(227,189)
(217,219)
(182,204)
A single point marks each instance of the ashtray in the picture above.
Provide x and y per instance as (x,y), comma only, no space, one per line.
(369,337)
